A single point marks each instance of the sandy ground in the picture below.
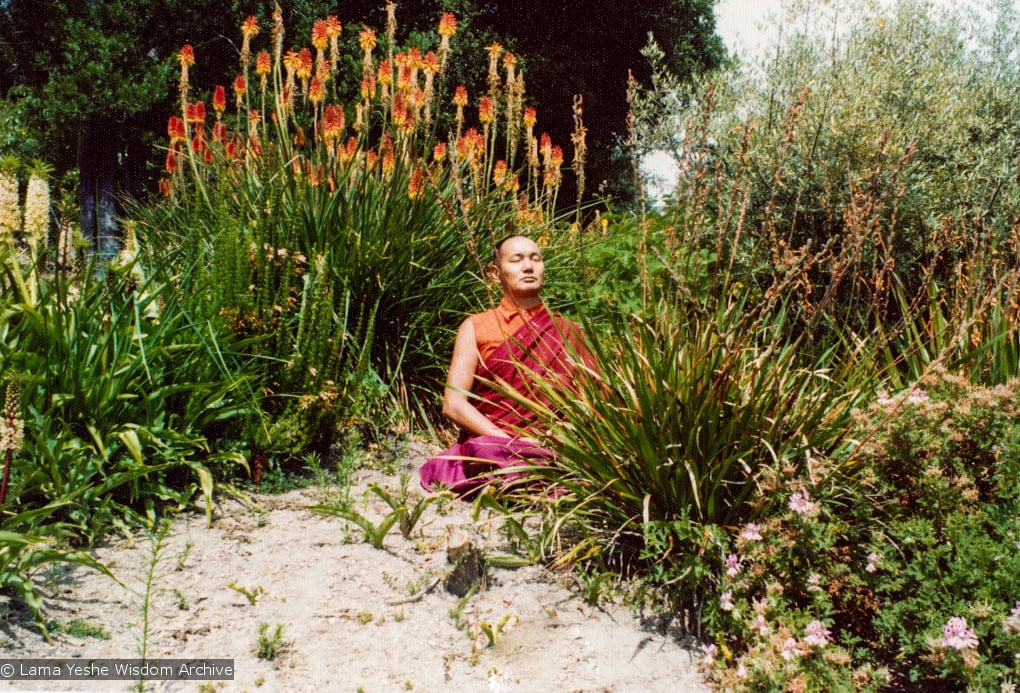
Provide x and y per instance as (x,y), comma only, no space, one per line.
(353,617)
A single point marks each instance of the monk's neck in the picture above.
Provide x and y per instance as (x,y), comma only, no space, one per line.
(524,304)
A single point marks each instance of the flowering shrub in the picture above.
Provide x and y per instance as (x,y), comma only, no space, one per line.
(335,234)
(899,570)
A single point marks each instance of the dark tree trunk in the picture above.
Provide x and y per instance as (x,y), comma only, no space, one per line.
(97,190)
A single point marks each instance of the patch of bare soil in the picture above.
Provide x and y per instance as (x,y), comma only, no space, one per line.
(351,617)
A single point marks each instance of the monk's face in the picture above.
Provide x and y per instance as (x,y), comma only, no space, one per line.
(520,268)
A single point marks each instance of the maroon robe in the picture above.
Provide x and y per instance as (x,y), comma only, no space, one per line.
(542,348)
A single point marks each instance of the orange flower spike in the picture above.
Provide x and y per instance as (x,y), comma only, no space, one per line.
(460,96)
(219,100)
(171,165)
(430,63)
(240,89)
(186,56)
(219,131)
(315,92)
(499,172)
(556,156)
(351,149)
(367,39)
(263,63)
(447,25)
(494,50)
(439,151)
(416,186)
(414,59)
(305,64)
(333,29)
(530,117)
(320,37)
(385,73)
(447,28)
(250,27)
(509,61)
(195,113)
(485,110)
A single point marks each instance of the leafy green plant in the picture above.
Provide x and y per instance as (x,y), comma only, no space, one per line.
(270,643)
(147,591)
(402,512)
(119,406)
(78,628)
(251,594)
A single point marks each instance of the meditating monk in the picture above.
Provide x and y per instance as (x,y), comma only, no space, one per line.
(497,354)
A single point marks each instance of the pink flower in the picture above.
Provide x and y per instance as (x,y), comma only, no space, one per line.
(732,565)
(790,649)
(873,559)
(751,532)
(814,583)
(802,504)
(957,635)
(726,601)
(761,626)
(708,656)
(917,396)
(816,634)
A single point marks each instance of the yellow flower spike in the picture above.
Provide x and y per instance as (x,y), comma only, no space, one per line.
(37,210)
(10,210)
(11,425)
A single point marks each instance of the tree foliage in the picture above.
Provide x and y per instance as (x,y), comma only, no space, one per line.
(96,78)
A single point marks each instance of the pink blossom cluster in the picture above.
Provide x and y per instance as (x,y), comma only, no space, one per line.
(956,635)
(802,504)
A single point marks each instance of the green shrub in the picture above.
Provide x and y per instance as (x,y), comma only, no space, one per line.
(123,399)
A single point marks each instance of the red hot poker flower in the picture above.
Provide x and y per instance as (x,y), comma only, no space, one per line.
(250,27)
(320,37)
(333,26)
(175,129)
(263,63)
(195,112)
(219,100)
(367,39)
(186,56)
(485,113)
(447,25)
(460,95)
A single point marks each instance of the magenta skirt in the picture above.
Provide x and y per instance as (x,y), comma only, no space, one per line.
(475,462)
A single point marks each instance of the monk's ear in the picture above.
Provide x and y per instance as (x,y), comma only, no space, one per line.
(493,272)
